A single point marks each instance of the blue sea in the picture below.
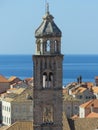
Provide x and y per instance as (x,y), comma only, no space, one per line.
(73,67)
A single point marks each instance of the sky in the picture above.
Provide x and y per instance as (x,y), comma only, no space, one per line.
(77,19)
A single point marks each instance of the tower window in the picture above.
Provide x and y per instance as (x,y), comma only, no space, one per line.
(38,45)
(48,46)
(55,46)
(50,76)
(44,80)
(50,79)
(47,80)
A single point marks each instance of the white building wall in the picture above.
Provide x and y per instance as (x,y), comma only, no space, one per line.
(6,113)
(96,94)
(81,112)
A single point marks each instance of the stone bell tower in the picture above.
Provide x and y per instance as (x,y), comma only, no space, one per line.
(47,64)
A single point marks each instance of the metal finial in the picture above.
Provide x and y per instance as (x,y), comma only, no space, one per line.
(47,6)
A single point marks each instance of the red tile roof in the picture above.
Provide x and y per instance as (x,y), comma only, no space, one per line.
(96,77)
(79,90)
(92,115)
(88,104)
(3,79)
(28,79)
(12,78)
(75,117)
(95,89)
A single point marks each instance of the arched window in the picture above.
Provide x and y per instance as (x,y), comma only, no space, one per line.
(55,46)
(41,48)
(47,80)
(50,79)
(38,45)
(44,80)
(48,46)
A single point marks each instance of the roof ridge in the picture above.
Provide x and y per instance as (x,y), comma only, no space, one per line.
(90,102)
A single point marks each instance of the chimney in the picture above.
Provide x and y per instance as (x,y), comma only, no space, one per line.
(79,79)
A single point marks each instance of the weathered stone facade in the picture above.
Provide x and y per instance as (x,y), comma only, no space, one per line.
(47,111)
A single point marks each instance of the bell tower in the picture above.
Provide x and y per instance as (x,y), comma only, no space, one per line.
(47,64)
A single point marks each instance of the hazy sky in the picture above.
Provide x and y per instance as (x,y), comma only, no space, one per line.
(77,19)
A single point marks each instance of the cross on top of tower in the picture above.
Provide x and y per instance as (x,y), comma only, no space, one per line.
(47,7)
(47,28)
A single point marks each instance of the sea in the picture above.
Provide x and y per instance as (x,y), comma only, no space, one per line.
(74,66)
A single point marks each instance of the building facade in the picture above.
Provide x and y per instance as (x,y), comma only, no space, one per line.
(17,107)
(47,94)
(88,107)
(71,106)
(4,84)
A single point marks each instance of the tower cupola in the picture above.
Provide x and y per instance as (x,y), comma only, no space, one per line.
(48,36)
(47,28)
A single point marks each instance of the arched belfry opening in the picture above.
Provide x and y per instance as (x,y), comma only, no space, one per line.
(51,79)
(47,80)
(39,46)
(55,46)
(48,45)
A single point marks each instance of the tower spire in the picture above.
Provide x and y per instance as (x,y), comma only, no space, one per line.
(47,6)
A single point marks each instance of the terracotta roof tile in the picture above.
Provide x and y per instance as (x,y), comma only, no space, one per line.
(92,115)
(28,79)
(96,77)
(95,89)
(3,79)
(79,90)
(88,104)
(75,117)
(90,84)
(12,78)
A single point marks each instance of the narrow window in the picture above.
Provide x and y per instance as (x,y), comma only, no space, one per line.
(45,80)
(50,79)
(38,46)
(55,46)
(48,46)
(41,48)
(9,121)
(9,109)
